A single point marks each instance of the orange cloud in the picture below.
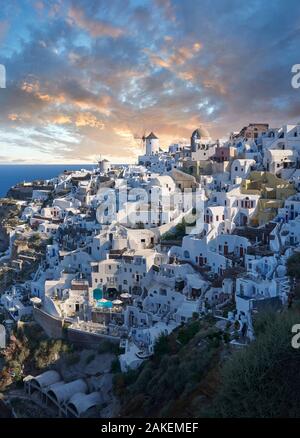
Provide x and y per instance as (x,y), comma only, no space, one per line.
(179,56)
(197,46)
(61,119)
(101,104)
(29,87)
(215,85)
(95,27)
(88,119)
(160,62)
(124,133)
(34,88)
(186,76)
(13,117)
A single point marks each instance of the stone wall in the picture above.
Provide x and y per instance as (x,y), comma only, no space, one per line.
(53,326)
(89,339)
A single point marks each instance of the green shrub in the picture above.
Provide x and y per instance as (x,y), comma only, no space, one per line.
(263,379)
(187,332)
(293,266)
(161,346)
(115,366)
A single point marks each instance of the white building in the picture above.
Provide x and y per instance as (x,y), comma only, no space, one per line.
(152,144)
(240,169)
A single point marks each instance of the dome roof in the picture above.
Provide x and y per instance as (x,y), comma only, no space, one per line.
(200,133)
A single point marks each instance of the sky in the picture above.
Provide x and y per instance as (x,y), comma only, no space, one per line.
(86,79)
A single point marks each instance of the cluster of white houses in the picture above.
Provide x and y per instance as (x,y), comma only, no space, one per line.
(137,250)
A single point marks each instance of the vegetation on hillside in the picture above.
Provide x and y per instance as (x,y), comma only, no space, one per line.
(168,384)
(293,266)
(180,230)
(263,379)
(177,233)
(29,352)
(195,372)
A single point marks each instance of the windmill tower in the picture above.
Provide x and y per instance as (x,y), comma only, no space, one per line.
(152,144)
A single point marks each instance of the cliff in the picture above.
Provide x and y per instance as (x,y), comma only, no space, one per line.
(9,214)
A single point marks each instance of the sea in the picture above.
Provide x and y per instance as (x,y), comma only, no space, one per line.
(11,174)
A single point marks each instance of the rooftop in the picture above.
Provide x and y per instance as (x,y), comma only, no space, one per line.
(151,136)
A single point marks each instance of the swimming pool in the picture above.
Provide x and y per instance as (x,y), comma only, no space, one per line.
(107,304)
(97,294)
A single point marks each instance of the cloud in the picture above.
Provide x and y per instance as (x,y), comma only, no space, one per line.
(83,78)
(88,119)
(94,27)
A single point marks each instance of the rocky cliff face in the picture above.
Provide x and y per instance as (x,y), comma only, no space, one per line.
(21,193)
(9,212)
(4,239)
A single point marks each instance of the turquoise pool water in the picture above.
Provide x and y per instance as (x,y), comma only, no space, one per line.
(97,294)
(107,304)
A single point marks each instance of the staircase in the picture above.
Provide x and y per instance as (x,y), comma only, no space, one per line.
(283,287)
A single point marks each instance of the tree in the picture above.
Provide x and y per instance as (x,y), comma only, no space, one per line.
(293,266)
(263,380)
(161,346)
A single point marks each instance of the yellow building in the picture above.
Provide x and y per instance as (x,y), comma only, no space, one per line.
(273,191)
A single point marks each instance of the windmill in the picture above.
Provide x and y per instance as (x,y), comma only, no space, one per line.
(140,140)
(98,160)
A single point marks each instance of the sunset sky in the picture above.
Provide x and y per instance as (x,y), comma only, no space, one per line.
(85,78)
